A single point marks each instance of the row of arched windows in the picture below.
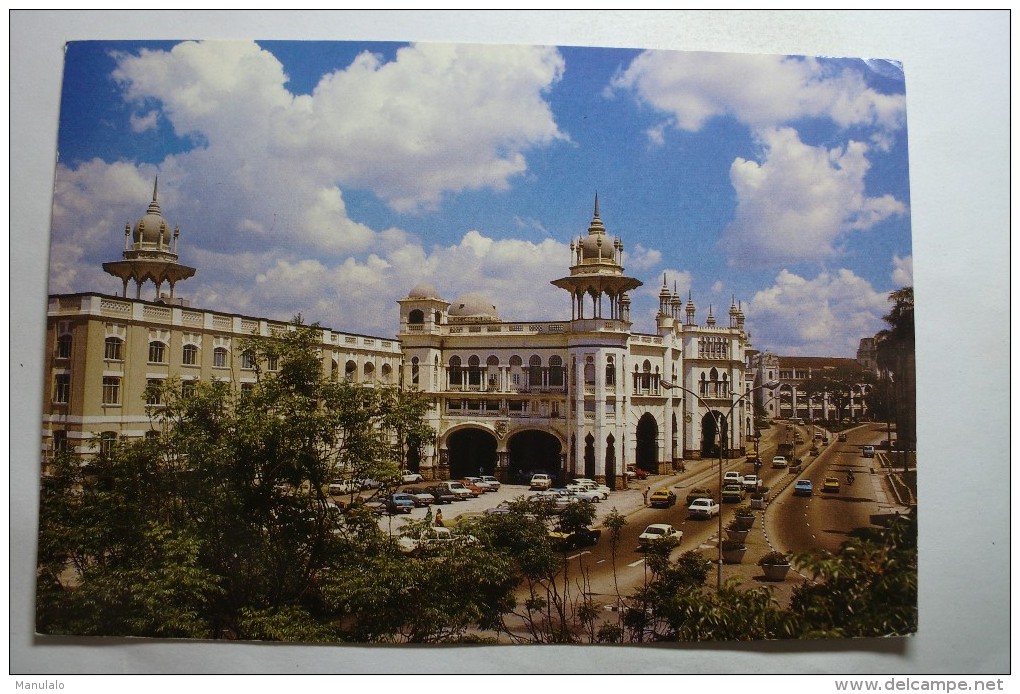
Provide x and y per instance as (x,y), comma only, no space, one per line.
(713,386)
(368,372)
(474,375)
(713,348)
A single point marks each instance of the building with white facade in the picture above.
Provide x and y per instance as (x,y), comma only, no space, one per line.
(587,396)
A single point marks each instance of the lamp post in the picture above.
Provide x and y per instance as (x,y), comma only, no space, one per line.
(769,385)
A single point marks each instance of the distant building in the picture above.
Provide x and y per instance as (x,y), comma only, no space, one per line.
(791,400)
(867,354)
(585,396)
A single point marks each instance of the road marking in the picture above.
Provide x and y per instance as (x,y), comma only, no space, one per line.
(639,562)
(600,561)
(579,554)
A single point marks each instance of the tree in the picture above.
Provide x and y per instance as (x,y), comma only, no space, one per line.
(841,385)
(896,357)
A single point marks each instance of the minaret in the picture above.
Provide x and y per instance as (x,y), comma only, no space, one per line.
(710,321)
(675,304)
(664,298)
(690,309)
(150,252)
(733,311)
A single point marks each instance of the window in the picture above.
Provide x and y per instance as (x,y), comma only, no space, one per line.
(190,356)
(610,372)
(64,347)
(474,371)
(556,371)
(273,363)
(416,317)
(369,371)
(60,441)
(456,378)
(111,390)
(107,440)
(219,357)
(113,345)
(153,395)
(247,360)
(350,370)
(187,389)
(535,371)
(387,371)
(415,371)
(246,389)
(62,388)
(157,352)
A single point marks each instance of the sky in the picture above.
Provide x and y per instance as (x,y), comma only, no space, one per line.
(329,178)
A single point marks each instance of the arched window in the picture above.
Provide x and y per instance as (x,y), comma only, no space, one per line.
(157,352)
(416,317)
(219,357)
(610,372)
(415,371)
(516,369)
(456,376)
(439,317)
(474,371)
(247,359)
(646,376)
(725,385)
(535,371)
(350,371)
(387,371)
(556,371)
(189,355)
(702,385)
(334,370)
(492,372)
(113,348)
(589,371)
(369,371)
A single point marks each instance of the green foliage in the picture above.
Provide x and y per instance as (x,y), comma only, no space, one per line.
(774,559)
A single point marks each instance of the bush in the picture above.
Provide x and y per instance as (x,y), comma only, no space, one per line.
(774,559)
(730,545)
(744,511)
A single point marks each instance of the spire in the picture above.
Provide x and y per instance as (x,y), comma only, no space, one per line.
(596,204)
(154,205)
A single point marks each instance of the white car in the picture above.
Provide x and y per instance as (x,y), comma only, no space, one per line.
(779,461)
(703,508)
(591,484)
(408,477)
(434,538)
(491,481)
(751,483)
(658,531)
(481,484)
(541,481)
(732,477)
(868,451)
(584,494)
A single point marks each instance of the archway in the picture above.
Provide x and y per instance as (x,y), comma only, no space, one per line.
(471,452)
(648,443)
(611,461)
(533,451)
(710,435)
(589,457)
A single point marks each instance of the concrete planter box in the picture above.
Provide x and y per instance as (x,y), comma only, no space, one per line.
(733,556)
(737,535)
(775,572)
(744,522)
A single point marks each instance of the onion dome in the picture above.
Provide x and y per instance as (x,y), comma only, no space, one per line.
(152,228)
(597,245)
(423,291)
(474,305)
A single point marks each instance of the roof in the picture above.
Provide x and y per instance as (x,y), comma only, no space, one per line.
(816,362)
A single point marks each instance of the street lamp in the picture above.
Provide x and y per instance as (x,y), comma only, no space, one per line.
(768,385)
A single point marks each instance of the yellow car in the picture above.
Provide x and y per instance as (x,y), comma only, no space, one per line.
(662,498)
(831,484)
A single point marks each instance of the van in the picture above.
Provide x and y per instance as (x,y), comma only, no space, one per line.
(868,451)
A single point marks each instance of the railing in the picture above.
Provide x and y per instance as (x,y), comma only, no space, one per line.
(114,306)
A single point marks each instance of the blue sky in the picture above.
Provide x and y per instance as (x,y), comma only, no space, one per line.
(330,178)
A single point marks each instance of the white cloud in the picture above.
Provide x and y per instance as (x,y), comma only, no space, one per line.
(146,121)
(641,258)
(903,272)
(824,316)
(799,201)
(761,91)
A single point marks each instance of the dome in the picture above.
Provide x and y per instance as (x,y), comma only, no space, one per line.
(423,291)
(152,228)
(592,249)
(473,306)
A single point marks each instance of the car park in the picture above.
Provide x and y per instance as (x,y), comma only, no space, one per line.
(868,451)
(656,532)
(779,461)
(831,485)
(803,488)
(733,494)
(662,498)
(703,508)
(698,493)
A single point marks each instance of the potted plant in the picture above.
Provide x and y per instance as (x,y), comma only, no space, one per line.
(733,551)
(775,565)
(758,501)
(744,517)
(736,531)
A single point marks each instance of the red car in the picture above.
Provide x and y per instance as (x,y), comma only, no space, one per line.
(637,473)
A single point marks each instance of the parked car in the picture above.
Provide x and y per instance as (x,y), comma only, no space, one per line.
(478,482)
(399,503)
(585,494)
(636,473)
(473,488)
(434,538)
(420,497)
(698,493)
(751,483)
(342,487)
(455,487)
(583,537)
(868,451)
(541,481)
(662,498)
(408,477)
(733,493)
(779,461)
(841,437)
(601,489)
(442,494)
(803,488)
(656,532)
(732,477)
(493,483)
(831,484)
(703,508)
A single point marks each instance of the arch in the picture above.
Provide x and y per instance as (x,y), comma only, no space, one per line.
(350,370)
(474,371)
(456,376)
(589,371)
(386,372)
(113,346)
(610,371)
(535,370)
(472,451)
(492,372)
(533,450)
(710,434)
(611,461)
(589,456)
(416,317)
(556,371)
(647,453)
(415,371)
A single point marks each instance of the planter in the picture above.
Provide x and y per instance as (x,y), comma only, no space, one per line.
(736,535)
(775,572)
(733,556)
(758,504)
(744,522)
